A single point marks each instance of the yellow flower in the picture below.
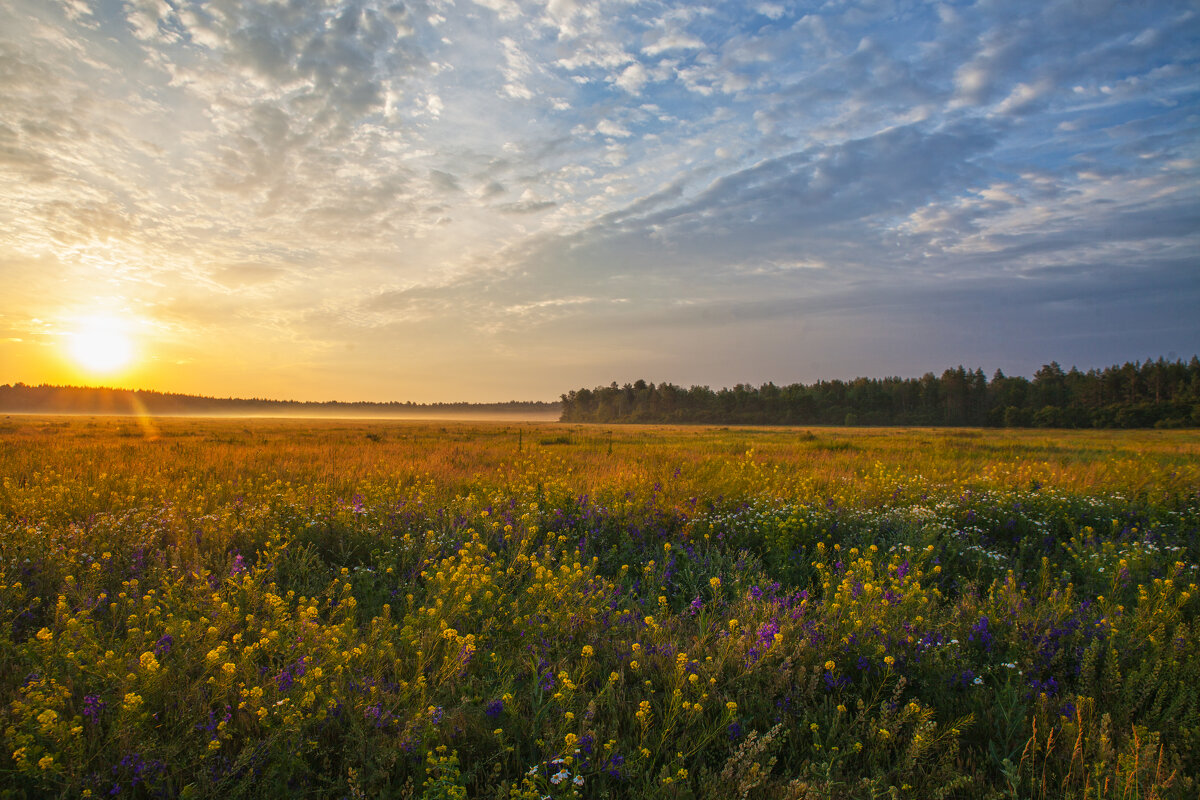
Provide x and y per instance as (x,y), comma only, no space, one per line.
(46,762)
(889,660)
(588,651)
(715,583)
(132,701)
(830,665)
(44,635)
(731,707)
(148,661)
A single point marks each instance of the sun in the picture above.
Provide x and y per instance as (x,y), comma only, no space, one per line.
(101,345)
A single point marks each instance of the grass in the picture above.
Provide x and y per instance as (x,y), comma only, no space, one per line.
(346,608)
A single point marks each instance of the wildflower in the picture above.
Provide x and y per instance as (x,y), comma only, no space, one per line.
(830,665)
(46,762)
(889,660)
(44,635)
(132,701)
(148,662)
(731,707)
(588,651)
(715,583)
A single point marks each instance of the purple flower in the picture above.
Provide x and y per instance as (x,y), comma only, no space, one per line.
(766,636)
(163,645)
(92,706)
(494,709)
(979,634)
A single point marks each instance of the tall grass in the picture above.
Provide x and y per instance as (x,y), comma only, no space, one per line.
(337,609)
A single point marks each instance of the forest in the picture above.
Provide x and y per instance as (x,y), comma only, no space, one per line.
(1154,393)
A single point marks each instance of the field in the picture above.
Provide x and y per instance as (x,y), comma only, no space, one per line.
(258,608)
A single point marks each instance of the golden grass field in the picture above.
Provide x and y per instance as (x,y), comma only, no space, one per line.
(329,608)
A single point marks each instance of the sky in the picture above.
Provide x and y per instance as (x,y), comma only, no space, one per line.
(484,200)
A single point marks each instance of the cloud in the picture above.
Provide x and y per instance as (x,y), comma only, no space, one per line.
(1023,97)
(673,41)
(492,179)
(770,10)
(609,128)
(633,78)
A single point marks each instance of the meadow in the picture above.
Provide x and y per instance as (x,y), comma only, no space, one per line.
(267,608)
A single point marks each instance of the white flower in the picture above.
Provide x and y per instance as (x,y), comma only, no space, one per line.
(978,681)
(578,781)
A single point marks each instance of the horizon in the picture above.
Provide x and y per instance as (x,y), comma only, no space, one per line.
(988,375)
(499,198)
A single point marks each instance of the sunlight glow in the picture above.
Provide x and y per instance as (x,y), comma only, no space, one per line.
(101,345)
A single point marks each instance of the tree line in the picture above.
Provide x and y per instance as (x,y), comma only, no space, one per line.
(1146,394)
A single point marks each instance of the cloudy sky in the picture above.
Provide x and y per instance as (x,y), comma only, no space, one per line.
(497,199)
